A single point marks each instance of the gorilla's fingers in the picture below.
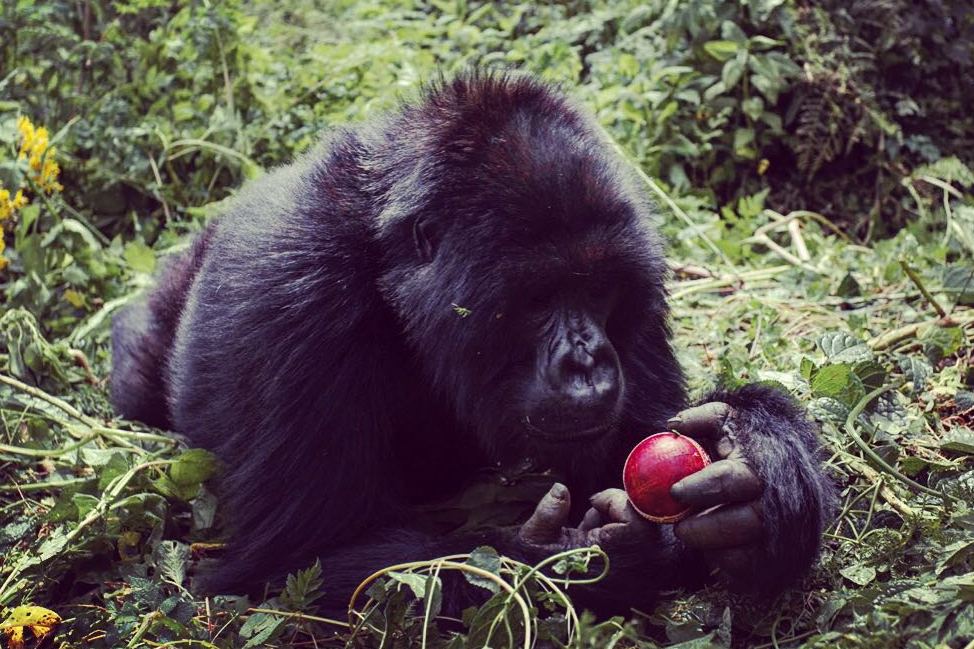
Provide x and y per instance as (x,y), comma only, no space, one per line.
(612,534)
(591,520)
(726,527)
(705,421)
(549,517)
(613,505)
(724,481)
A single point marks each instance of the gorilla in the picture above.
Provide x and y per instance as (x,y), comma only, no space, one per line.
(475,277)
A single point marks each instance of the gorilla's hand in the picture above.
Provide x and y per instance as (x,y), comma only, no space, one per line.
(611,523)
(771,496)
(731,527)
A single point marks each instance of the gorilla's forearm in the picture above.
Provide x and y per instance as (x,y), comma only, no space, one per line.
(638,572)
(781,446)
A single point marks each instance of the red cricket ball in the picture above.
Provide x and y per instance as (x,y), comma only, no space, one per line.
(656,464)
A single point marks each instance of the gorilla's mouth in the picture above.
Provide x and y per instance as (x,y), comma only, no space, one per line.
(567,435)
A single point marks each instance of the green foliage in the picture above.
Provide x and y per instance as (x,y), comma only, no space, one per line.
(782,138)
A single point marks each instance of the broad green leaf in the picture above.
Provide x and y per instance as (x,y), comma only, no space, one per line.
(140,257)
(721,50)
(828,409)
(193,467)
(842,347)
(838,382)
(753,107)
(917,370)
(859,574)
(733,70)
(415,581)
(485,558)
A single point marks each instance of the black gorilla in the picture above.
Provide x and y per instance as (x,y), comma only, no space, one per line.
(476,276)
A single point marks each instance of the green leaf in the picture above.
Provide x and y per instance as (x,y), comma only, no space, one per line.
(848,287)
(303,587)
(806,368)
(859,574)
(917,371)
(760,43)
(838,382)
(959,282)
(959,440)
(193,467)
(753,107)
(260,628)
(743,138)
(842,347)
(485,558)
(871,373)
(733,70)
(828,409)
(415,582)
(140,257)
(171,559)
(721,50)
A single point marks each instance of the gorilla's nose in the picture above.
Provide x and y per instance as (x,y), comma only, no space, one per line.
(585,371)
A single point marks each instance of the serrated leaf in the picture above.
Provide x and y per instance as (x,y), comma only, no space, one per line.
(848,287)
(415,582)
(828,409)
(484,624)
(193,467)
(838,382)
(140,257)
(859,574)
(871,373)
(485,558)
(171,558)
(303,587)
(259,628)
(842,347)
(959,282)
(806,368)
(959,440)
(917,370)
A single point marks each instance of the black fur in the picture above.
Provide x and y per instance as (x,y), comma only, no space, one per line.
(360,332)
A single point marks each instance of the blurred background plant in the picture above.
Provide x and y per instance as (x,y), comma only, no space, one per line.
(812,163)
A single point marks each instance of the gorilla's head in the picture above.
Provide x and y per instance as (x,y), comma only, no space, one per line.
(521,261)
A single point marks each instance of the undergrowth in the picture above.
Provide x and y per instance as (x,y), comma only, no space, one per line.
(809,165)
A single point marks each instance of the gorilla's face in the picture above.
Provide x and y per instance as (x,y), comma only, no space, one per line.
(524,279)
(526,328)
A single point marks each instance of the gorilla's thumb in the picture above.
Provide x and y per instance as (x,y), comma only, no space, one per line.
(549,517)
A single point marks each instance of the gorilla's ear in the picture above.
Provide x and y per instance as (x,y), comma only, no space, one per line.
(425,238)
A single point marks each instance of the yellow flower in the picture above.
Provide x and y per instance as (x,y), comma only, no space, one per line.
(27,133)
(7,206)
(47,178)
(3,260)
(35,148)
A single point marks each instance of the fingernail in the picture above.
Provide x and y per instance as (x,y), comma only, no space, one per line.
(673,421)
(559,491)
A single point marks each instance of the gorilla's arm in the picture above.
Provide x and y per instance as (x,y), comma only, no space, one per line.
(773,497)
